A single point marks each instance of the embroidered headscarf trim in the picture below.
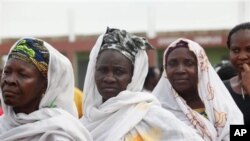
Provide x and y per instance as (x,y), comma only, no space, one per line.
(124,42)
(32,51)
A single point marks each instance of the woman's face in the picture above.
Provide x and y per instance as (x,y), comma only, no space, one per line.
(240,49)
(181,69)
(22,86)
(113,73)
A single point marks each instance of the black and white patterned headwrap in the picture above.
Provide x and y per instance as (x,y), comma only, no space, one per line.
(124,42)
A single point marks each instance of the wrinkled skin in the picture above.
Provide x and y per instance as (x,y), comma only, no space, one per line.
(22,86)
(113,73)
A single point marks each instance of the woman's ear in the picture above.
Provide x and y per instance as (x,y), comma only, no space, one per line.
(44,85)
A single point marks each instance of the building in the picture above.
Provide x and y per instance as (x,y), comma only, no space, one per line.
(72,26)
(214,43)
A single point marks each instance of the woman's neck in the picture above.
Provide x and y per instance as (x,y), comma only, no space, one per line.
(193,100)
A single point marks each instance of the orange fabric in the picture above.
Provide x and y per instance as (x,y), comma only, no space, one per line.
(138,138)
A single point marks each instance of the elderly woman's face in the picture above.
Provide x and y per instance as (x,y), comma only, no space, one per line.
(182,71)
(22,86)
(113,73)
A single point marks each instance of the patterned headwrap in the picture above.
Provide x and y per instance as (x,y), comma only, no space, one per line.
(32,51)
(124,42)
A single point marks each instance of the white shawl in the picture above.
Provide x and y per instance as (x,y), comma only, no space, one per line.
(219,105)
(131,115)
(46,123)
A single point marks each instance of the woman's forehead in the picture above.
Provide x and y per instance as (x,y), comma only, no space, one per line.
(111,55)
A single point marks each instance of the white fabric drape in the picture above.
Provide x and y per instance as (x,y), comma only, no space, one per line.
(131,115)
(219,105)
(48,123)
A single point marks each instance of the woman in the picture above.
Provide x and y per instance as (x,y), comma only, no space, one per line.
(239,47)
(115,109)
(191,89)
(37,95)
(151,79)
(225,70)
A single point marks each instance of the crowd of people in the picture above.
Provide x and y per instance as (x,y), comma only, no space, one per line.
(125,99)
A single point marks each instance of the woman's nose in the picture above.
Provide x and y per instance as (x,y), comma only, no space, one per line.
(180,68)
(109,77)
(10,79)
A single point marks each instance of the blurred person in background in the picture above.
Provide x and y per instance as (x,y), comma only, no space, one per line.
(1,66)
(1,70)
(238,43)
(191,89)
(225,70)
(152,79)
(37,95)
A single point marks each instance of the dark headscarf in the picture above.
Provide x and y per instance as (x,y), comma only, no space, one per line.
(32,51)
(124,42)
(181,43)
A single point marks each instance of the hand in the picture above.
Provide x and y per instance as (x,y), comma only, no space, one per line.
(245,78)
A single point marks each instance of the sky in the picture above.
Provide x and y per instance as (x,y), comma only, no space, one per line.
(50,18)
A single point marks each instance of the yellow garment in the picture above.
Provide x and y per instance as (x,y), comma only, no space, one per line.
(202,112)
(78,95)
(153,134)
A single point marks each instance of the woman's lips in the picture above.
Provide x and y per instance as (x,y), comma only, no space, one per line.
(9,94)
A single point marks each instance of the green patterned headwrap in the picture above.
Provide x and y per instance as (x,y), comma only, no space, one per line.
(32,51)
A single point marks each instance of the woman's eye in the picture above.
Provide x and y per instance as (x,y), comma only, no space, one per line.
(248,49)
(119,71)
(172,63)
(24,75)
(190,63)
(101,70)
(6,72)
(235,50)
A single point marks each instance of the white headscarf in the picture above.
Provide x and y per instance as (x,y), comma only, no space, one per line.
(131,114)
(48,123)
(219,105)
